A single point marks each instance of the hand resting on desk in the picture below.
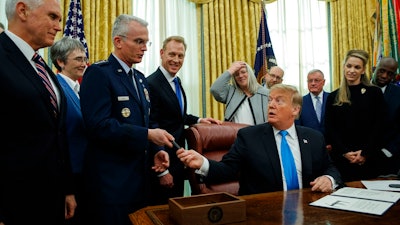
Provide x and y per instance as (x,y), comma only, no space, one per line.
(322,184)
(195,160)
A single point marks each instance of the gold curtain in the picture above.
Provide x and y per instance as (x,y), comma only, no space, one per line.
(98,16)
(352,28)
(228,31)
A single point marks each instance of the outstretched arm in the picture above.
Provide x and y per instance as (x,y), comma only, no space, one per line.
(190,158)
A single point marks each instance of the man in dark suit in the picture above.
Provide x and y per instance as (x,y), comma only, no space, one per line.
(272,77)
(115,105)
(167,113)
(383,78)
(256,153)
(35,174)
(309,112)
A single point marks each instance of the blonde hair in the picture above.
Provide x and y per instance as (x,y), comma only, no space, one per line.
(178,39)
(297,98)
(343,96)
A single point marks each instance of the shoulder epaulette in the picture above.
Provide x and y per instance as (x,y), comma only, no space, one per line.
(101,62)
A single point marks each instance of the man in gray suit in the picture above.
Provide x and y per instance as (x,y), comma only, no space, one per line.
(256,153)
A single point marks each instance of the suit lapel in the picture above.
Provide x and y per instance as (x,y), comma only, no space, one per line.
(310,105)
(167,90)
(145,101)
(324,96)
(21,63)
(305,152)
(271,150)
(69,92)
(389,97)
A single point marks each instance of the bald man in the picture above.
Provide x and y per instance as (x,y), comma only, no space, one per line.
(383,77)
(273,76)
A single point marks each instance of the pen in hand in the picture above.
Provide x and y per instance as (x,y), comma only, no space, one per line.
(176,145)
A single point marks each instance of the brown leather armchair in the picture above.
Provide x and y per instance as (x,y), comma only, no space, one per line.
(212,141)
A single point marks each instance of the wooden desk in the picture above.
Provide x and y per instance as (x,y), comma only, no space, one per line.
(270,208)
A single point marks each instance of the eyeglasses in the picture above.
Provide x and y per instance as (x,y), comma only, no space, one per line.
(139,41)
(273,76)
(314,80)
(81,59)
(389,73)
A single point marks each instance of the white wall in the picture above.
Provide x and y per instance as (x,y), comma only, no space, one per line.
(3,18)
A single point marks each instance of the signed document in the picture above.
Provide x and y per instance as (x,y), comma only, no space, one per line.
(359,200)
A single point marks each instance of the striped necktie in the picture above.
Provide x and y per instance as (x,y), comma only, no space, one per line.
(40,66)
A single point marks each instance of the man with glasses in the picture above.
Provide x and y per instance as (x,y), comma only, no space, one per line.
(35,175)
(383,77)
(123,147)
(273,76)
(312,113)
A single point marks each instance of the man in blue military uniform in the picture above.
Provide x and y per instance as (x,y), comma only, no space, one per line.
(116,105)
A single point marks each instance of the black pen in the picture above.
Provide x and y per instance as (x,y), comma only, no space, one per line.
(176,145)
(394,185)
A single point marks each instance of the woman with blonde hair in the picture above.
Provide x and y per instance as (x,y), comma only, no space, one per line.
(354,120)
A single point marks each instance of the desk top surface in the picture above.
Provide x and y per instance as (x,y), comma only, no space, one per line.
(290,207)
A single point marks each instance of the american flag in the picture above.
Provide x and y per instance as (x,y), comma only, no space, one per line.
(74,25)
(265,57)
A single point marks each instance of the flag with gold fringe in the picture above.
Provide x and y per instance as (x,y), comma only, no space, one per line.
(74,24)
(265,57)
(386,34)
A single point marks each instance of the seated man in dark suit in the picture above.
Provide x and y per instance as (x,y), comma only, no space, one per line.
(383,78)
(256,153)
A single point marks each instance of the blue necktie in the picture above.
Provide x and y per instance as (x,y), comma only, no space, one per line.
(178,93)
(289,167)
(40,66)
(135,82)
(318,108)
